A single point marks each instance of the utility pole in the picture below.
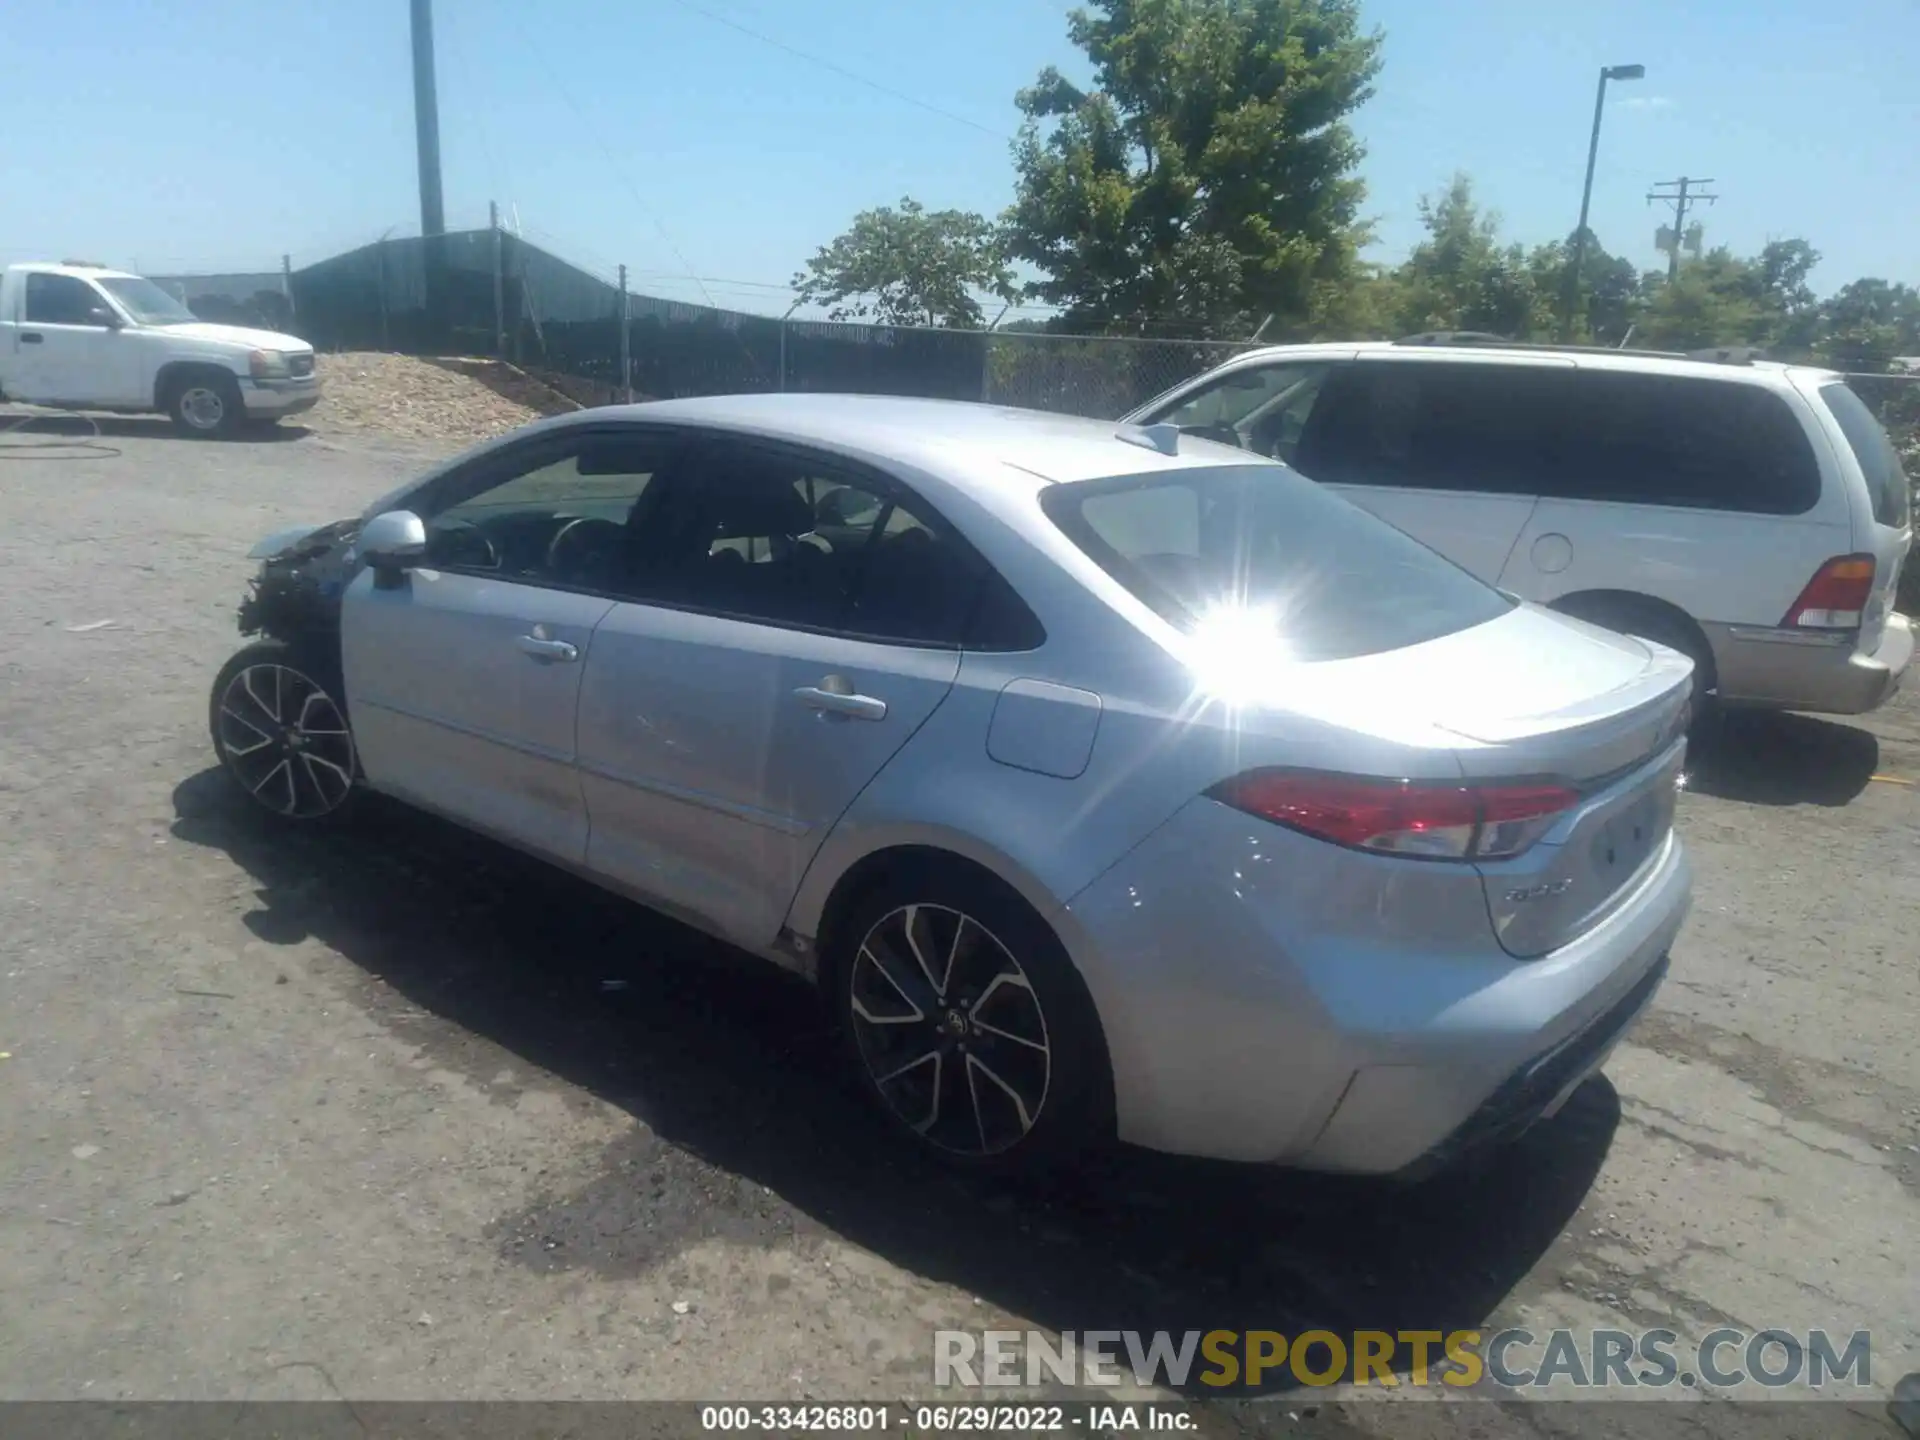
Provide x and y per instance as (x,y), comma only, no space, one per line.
(426,121)
(499,297)
(626,334)
(1682,196)
(433,215)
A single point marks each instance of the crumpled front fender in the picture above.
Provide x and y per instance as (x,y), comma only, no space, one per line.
(281,540)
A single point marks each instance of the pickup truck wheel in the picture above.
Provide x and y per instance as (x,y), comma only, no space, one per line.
(206,406)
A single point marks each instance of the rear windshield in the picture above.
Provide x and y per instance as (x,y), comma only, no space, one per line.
(1879,461)
(1193,544)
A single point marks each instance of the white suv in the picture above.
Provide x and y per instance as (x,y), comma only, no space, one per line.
(1752,515)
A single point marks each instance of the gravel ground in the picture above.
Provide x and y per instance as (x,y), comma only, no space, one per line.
(405,398)
(394,1114)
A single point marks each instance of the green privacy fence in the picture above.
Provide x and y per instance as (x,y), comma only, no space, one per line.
(497,294)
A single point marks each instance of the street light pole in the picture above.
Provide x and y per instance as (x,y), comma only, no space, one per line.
(1610,72)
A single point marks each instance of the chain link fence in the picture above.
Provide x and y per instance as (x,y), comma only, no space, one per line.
(495,294)
(1102,376)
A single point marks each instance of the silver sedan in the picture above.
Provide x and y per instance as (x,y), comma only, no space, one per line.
(1109,783)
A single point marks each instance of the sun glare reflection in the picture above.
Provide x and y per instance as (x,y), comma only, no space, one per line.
(1239,655)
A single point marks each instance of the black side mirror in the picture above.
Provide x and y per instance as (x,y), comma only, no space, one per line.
(103,316)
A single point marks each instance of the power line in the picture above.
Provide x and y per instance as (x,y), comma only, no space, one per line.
(612,162)
(842,70)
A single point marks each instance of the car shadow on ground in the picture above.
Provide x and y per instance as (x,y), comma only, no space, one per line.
(1776,758)
(751,1132)
(26,425)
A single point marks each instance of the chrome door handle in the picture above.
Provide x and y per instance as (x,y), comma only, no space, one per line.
(842,702)
(544,649)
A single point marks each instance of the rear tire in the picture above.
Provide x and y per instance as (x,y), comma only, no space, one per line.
(279,722)
(206,404)
(967,1024)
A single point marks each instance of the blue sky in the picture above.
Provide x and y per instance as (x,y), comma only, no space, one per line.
(218,134)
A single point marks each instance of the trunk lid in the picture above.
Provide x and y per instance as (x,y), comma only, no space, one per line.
(1537,697)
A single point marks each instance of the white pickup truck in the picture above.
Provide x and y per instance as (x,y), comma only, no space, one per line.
(83,337)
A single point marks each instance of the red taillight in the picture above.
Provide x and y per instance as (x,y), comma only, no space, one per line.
(1401,817)
(1835,597)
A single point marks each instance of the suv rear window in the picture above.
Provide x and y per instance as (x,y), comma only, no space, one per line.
(1650,439)
(1879,461)
(1193,543)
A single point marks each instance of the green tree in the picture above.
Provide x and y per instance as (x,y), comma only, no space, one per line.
(909,266)
(1208,180)
(1868,323)
(1608,297)
(1462,278)
(1718,299)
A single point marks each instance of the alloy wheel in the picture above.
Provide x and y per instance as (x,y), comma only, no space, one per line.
(950,1030)
(285,740)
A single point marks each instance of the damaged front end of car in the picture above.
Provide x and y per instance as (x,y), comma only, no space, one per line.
(303,576)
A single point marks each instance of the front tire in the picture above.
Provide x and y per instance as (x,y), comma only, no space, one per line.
(206,405)
(968,1025)
(279,722)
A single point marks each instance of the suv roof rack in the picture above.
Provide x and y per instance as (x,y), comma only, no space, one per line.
(1729,354)
(1717,355)
(1456,337)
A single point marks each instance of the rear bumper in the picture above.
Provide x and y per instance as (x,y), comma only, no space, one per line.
(1790,670)
(1538,1088)
(1269,998)
(275,398)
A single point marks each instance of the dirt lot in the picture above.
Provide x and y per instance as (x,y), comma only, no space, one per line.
(397,1115)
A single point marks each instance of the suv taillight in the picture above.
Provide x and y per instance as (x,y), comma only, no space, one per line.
(1835,597)
(1409,818)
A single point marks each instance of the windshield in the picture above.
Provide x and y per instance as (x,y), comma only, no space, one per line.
(1260,546)
(146,302)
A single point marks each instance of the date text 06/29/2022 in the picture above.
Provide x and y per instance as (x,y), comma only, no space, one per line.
(1091,1418)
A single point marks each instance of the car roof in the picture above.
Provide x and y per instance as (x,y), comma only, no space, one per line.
(70,267)
(1586,357)
(960,440)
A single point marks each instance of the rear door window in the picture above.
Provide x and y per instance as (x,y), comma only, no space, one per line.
(782,538)
(1647,439)
(1198,545)
(1424,425)
(1886,479)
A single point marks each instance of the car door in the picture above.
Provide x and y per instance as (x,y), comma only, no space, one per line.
(69,352)
(463,674)
(781,655)
(1452,449)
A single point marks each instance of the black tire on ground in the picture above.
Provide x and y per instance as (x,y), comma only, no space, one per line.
(205,404)
(278,717)
(1006,1069)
